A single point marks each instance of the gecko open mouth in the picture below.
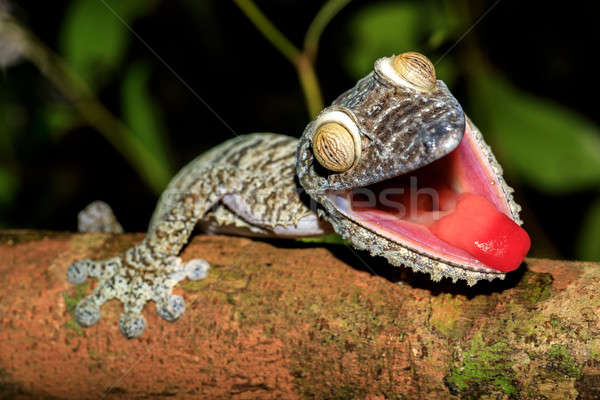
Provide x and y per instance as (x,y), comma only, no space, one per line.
(454,210)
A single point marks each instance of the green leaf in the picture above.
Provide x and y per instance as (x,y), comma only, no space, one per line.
(588,245)
(384,29)
(546,145)
(380,30)
(9,184)
(59,119)
(445,22)
(144,118)
(332,238)
(446,70)
(94,36)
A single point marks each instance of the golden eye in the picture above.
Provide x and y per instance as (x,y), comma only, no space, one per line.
(416,69)
(334,147)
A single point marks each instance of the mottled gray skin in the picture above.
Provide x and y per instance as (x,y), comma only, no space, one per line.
(249,186)
(244,186)
(402,129)
(98,217)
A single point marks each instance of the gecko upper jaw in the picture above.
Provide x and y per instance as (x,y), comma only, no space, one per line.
(404,208)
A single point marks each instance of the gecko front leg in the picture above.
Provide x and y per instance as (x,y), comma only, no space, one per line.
(149,270)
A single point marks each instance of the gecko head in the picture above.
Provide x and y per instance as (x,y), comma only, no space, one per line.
(396,123)
(398,170)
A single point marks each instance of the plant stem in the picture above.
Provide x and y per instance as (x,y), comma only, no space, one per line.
(269,31)
(317,26)
(155,174)
(310,86)
(303,60)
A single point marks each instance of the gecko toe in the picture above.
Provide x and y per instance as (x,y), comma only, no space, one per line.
(171,308)
(197,269)
(87,313)
(134,287)
(132,324)
(78,272)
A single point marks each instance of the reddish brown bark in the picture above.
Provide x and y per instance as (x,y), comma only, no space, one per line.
(293,320)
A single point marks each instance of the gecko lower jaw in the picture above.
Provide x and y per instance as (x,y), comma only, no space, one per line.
(453,210)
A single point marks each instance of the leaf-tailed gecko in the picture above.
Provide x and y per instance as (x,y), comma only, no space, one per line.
(393,165)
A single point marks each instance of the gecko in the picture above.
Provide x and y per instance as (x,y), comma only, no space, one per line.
(393,165)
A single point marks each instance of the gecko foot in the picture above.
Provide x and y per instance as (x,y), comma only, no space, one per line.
(134,287)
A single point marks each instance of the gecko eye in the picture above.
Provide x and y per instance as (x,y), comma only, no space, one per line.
(416,69)
(336,143)
(409,69)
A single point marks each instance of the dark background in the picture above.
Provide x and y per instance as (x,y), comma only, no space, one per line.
(542,50)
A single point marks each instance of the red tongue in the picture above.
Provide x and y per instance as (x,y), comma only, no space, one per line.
(477,227)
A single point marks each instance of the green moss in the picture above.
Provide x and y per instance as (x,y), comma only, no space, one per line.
(193,286)
(230,298)
(557,323)
(73,327)
(484,368)
(74,296)
(71,299)
(332,238)
(224,280)
(595,348)
(446,310)
(563,362)
(535,287)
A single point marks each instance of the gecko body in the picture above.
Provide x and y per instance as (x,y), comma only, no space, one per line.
(271,185)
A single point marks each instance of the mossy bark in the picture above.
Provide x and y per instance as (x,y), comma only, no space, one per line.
(298,320)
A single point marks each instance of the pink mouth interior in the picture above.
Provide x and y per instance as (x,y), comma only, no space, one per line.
(404,208)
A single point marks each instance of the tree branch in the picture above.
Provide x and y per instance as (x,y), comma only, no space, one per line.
(298,321)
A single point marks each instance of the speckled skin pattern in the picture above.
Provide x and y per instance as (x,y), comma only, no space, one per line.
(249,185)
(98,217)
(402,130)
(244,186)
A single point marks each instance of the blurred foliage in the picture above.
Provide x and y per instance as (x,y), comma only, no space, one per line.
(142,114)
(588,245)
(544,146)
(375,32)
(391,27)
(94,35)
(8,186)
